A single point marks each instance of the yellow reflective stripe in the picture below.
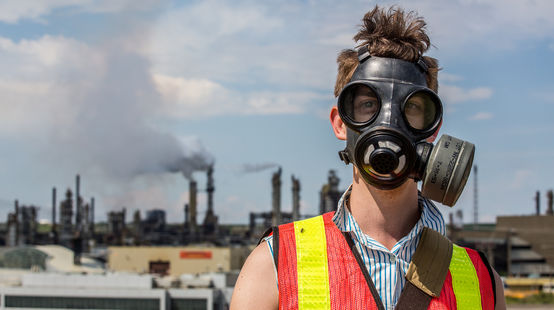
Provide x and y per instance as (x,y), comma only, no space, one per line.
(464,280)
(311,262)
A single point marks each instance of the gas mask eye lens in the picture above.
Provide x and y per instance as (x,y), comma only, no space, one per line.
(361,104)
(420,110)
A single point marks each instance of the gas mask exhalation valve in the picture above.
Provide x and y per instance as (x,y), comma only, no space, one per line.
(390,112)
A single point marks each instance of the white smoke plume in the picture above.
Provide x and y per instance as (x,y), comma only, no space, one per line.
(92,107)
(253,168)
(194,158)
(112,130)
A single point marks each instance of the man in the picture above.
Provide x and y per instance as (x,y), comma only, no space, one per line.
(384,247)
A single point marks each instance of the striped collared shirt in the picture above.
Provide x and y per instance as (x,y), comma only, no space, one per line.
(387,268)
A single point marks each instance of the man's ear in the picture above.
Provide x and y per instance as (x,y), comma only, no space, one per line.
(338,126)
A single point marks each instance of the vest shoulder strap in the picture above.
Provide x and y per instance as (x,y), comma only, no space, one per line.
(429,265)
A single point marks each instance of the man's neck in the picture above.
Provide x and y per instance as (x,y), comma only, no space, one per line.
(384,215)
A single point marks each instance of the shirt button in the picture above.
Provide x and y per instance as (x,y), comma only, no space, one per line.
(392,259)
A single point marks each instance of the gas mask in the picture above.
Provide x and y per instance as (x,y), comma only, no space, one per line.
(390,113)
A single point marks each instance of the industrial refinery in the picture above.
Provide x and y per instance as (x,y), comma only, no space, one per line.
(73,220)
(134,260)
(141,259)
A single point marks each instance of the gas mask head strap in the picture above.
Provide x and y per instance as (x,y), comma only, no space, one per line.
(363,54)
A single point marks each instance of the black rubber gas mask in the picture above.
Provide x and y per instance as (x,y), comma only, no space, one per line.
(390,112)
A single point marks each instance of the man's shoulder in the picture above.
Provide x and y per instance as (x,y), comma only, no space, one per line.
(256,286)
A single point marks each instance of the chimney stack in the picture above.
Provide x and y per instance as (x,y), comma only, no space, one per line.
(53,209)
(77,202)
(276,197)
(210,189)
(53,230)
(192,205)
(187,216)
(549,195)
(538,202)
(329,194)
(295,198)
(16,222)
(91,216)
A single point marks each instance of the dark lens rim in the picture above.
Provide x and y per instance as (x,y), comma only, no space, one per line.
(430,129)
(345,117)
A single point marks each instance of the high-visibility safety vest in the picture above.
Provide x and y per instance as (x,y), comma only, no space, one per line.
(319,267)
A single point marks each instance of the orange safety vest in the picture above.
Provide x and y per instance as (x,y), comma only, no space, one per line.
(319,267)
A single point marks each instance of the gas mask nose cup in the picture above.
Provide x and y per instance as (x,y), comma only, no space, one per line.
(447,170)
(385,158)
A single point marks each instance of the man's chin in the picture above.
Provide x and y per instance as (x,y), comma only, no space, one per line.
(407,185)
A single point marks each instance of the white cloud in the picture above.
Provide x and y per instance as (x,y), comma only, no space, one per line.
(244,44)
(278,102)
(521,178)
(445,77)
(454,94)
(37,79)
(13,11)
(191,98)
(190,92)
(343,40)
(481,116)
(484,23)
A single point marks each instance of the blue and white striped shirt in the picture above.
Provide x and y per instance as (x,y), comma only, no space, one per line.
(387,268)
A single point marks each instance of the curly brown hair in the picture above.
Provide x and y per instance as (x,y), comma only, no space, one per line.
(389,33)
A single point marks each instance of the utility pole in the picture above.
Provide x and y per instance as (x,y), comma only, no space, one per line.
(475,199)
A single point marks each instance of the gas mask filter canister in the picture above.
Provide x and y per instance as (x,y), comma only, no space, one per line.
(390,112)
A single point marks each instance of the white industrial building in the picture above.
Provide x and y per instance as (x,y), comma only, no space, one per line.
(23,289)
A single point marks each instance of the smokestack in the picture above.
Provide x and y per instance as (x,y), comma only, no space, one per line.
(210,189)
(451,220)
(329,194)
(92,216)
(86,217)
(187,216)
(53,210)
(276,197)
(295,198)
(192,205)
(77,202)
(16,222)
(538,202)
(549,195)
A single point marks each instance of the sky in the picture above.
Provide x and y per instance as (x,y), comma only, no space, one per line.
(139,96)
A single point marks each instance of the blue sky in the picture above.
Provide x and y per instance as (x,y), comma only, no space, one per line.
(119,90)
